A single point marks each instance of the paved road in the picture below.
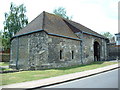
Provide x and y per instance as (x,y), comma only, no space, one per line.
(105,80)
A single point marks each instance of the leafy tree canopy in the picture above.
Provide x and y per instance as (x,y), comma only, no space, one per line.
(107,34)
(60,11)
(15,20)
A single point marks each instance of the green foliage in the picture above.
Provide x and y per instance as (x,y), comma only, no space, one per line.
(60,11)
(4,63)
(107,34)
(6,43)
(0,40)
(14,21)
(1,34)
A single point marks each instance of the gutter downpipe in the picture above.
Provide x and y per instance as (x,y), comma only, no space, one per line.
(17,53)
(81,44)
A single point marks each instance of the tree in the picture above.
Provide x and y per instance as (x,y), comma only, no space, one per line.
(0,33)
(60,11)
(15,20)
(0,40)
(107,34)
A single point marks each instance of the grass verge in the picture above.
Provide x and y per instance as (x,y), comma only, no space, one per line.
(23,76)
(4,63)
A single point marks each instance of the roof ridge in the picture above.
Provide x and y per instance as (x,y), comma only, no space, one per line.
(68,24)
(52,23)
(32,22)
(56,22)
(83,26)
(70,27)
(43,22)
(34,19)
(79,24)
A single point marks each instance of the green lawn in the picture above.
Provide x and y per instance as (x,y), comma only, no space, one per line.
(17,77)
(4,63)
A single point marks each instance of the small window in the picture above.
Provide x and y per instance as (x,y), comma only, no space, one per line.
(60,54)
(72,54)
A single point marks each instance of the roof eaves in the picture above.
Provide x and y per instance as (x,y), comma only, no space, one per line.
(94,35)
(64,36)
(27,33)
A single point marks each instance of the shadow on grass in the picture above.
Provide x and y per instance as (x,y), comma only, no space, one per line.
(72,67)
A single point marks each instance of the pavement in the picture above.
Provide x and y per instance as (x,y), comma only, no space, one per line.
(107,79)
(60,79)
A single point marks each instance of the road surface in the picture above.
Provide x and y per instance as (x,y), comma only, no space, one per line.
(104,80)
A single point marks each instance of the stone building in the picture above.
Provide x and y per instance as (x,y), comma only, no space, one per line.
(50,41)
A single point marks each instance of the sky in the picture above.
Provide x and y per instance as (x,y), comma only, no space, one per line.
(98,15)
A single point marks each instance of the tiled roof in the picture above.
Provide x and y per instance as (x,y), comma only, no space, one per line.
(35,24)
(50,23)
(56,25)
(83,28)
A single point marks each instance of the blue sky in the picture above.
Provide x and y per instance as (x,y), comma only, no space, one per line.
(98,15)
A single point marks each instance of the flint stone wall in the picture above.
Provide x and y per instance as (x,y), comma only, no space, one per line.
(40,51)
(88,48)
(67,46)
(29,52)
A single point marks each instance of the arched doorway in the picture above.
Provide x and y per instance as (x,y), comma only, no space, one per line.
(96,51)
